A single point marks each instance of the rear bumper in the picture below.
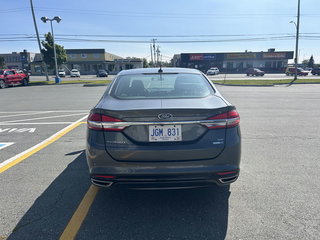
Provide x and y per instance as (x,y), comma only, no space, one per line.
(164,178)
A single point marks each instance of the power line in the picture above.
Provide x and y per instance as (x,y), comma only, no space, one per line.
(244,14)
(160,36)
(147,41)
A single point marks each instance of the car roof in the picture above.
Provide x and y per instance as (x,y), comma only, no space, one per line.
(156,70)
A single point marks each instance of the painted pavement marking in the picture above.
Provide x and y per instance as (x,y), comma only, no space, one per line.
(30,119)
(27,153)
(5,144)
(17,130)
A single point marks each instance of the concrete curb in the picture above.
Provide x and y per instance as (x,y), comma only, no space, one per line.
(95,85)
(272,85)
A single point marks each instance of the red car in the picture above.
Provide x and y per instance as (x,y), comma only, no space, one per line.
(12,77)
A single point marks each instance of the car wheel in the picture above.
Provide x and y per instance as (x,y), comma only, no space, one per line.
(2,84)
(248,74)
(24,82)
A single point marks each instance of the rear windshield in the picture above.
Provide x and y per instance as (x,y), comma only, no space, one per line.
(161,86)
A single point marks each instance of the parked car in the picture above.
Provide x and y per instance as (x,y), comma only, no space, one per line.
(213,71)
(61,73)
(254,72)
(102,73)
(163,128)
(315,71)
(74,73)
(300,72)
(12,77)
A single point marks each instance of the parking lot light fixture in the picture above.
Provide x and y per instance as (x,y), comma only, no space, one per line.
(58,19)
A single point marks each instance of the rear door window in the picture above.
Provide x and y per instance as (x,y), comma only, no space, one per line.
(161,86)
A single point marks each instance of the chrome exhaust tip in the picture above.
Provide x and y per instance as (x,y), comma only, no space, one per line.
(228,180)
(101,183)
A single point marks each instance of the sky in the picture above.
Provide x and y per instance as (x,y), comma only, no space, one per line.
(126,27)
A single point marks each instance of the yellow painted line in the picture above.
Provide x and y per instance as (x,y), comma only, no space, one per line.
(71,230)
(22,156)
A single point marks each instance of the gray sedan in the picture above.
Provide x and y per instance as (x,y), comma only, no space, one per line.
(163,128)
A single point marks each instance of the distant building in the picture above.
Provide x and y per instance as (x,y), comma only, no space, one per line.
(126,63)
(233,62)
(18,60)
(89,61)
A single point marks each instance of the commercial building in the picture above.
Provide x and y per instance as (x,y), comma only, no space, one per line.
(89,61)
(233,62)
(18,60)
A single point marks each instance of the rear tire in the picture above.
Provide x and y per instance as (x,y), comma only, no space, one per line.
(25,82)
(2,84)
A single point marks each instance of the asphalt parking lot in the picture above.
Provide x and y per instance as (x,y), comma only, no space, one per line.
(46,193)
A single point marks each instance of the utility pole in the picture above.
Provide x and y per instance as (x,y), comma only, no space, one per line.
(154,49)
(297,43)
(151,54)
(158,55)
(44,65)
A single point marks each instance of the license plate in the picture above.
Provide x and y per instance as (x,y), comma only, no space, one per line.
(165,133)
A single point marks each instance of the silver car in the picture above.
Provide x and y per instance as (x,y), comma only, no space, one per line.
(163,128)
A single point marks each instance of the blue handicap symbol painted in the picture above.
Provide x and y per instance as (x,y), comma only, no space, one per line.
(3,145)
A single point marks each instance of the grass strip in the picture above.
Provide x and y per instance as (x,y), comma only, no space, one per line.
(265,82)
(39,83)
(246,82)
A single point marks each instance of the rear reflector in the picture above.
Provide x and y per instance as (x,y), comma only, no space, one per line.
(226,173)
(101,122)
(225,120)
(103,176)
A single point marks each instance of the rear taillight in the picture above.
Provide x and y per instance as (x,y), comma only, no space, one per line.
(225,120)
(101,122)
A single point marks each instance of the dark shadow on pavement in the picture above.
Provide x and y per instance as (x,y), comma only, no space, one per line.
(51,212)
(167,214)
(125,214)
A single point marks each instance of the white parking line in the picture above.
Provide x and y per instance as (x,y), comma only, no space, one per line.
(40,123)
(23,114)
(57,111)
(30,119)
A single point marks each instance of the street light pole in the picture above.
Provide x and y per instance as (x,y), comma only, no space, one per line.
(58,19)
(55,54)
(297,42)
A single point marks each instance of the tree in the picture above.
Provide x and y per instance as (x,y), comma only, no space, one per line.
(145,63)
(311,62)
(305,62)
(2,62)
(48,54)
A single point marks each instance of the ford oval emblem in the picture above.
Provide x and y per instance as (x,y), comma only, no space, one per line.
(165,116)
